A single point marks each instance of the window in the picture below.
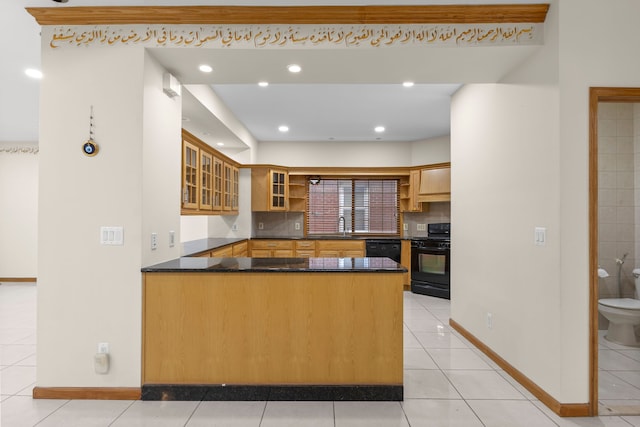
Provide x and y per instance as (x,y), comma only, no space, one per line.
(359,206)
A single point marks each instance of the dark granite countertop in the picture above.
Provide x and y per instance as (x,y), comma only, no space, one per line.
(193,247)
(332,237)
(277,265)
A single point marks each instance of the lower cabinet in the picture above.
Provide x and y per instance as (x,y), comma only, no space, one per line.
(305,248)
(240,249)
(272,248)
(223,252)
(283,248)
(340,248)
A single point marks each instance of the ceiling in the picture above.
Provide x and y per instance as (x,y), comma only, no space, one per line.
(339,95)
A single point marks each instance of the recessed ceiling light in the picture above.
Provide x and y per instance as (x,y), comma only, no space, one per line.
(263,84)
(294,68)
(407,84)
(205,68)
(283,128)
(379,129)
(33,73)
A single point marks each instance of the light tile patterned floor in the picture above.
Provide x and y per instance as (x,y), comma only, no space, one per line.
(448,382)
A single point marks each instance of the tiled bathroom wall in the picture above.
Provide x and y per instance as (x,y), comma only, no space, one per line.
(618,197)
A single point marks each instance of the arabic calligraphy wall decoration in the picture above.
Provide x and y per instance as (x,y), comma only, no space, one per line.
(288,36)
(19,149)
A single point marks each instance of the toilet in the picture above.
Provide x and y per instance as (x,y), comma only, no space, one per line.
(623,315)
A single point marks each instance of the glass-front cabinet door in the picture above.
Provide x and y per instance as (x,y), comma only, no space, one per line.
(190,176)
(217,184)
(278,189)
(206,180)
(227,187)
(235,193)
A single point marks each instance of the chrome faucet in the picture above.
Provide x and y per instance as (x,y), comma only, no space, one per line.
(344,225)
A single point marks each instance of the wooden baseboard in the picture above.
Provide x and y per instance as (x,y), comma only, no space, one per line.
(87,393)
(18,279)
(562,409)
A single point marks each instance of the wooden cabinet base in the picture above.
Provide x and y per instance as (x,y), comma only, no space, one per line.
(257,329)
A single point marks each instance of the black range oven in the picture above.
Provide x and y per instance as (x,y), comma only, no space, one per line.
(431,262)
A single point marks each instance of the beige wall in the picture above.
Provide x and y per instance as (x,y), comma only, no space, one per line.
(504,184)
(18,211)
(89,293)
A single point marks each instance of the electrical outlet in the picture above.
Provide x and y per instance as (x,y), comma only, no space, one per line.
(154,241)
(421,227)
(234,227)
(405,226)
(260,226)
(172,239)
(103,347)
(489,320)
(297,226)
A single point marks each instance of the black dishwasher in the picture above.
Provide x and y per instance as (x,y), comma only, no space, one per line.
(389,248)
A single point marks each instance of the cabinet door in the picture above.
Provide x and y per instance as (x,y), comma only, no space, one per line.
(414,189)
(190,176)
(240,249)
(206,180)
(227,187)
(235,188)
(352,254)
(282,253)
(217,184)
(328,253)
(227,251)
(260,253)
(435,181)
(278,189)
(305,253)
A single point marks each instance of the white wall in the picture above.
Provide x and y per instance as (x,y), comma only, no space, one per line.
(335,153)
(433,150)
(161,166)
(18,212)
(87,292)
(505,156)
(609,59)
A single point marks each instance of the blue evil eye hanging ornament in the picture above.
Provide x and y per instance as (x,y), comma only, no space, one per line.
(90,148)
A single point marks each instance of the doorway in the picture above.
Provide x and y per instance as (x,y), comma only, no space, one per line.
(610,104)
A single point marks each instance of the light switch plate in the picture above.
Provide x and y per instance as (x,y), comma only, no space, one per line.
(540,236)
(113,236)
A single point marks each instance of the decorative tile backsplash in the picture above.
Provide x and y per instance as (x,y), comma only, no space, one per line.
(436,212)
(283,224)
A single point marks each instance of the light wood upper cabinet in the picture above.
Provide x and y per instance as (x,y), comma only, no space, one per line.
(269,190)
(297,193)
(206,181)
(227,186)
(209,179)
(190,168)
(409,192)
(217,183)
(435,185)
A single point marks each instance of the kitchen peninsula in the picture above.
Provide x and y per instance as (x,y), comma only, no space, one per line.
(273,329)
